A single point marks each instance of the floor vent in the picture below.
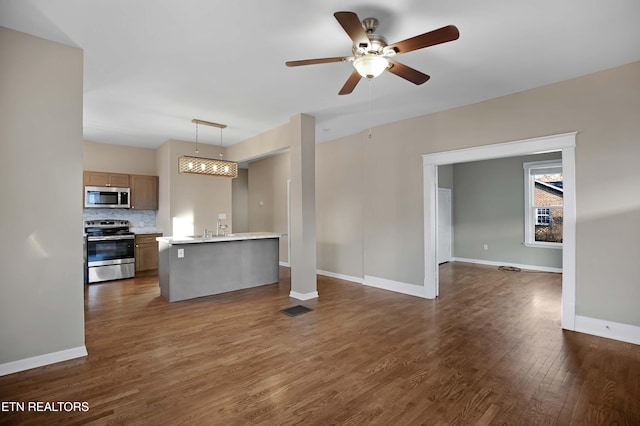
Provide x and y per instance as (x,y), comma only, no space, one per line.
(296,310)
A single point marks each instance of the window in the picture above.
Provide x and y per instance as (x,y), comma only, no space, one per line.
(543,216)
(543,203)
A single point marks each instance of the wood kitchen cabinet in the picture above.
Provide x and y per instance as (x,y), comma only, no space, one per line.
(146,253)
(144,192)
(117,180)
(144,189)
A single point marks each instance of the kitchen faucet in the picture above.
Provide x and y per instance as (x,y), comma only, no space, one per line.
(222,228)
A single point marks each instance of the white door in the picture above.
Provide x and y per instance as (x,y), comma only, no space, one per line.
(444,225)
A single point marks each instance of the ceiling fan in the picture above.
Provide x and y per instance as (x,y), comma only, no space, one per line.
(372,54)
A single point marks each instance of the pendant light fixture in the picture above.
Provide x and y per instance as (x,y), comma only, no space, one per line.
(207,166)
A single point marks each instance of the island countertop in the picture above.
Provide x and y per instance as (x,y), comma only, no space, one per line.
(214,239)
(190,267)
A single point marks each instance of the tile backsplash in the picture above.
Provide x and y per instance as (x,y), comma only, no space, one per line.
(136,218)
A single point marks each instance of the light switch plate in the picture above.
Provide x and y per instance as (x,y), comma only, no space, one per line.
(180,253)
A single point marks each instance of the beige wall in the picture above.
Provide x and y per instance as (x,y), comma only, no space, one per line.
(163,169)
(339,201)
(102,157)
(190,203)
(42,299)
(240,201)
(269,142)
(268,185)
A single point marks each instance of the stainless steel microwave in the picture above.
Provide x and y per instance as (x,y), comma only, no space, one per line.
(106,197)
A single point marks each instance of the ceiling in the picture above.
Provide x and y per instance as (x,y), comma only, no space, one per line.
(152,66)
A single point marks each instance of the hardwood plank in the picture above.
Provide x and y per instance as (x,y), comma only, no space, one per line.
(489,350)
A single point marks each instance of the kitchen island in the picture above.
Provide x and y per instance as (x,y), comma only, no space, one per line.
(191,267)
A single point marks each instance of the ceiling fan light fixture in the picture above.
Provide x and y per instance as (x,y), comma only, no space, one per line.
(370,66)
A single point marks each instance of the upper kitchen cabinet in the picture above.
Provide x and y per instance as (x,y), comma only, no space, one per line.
(144,192)
(117,180)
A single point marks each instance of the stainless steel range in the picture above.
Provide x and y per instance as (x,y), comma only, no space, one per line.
(110,250)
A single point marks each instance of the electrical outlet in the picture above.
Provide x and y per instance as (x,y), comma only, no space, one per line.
(222,216)
(180,253)
(486,246)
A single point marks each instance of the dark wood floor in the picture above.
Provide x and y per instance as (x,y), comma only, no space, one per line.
(489,350)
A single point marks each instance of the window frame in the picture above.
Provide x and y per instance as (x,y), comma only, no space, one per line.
(531,168)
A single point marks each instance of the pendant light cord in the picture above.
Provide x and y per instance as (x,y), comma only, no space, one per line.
(196,138)
(221,154)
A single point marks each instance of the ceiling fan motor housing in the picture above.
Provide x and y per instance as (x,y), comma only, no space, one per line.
(370,25)
(376,46)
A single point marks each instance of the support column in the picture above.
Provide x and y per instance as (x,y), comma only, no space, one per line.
(303,207)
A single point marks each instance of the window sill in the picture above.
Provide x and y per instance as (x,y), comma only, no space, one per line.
(544,245)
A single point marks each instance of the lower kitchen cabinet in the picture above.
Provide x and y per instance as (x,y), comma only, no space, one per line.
(146,252)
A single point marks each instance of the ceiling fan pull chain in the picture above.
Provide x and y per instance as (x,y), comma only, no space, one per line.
(370,119)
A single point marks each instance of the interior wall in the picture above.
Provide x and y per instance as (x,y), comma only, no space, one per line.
(339,193)
(190,203)
(269,142)
(488,208)
(163,169)
(102,157)
(445,176)
(267,199)
(42,303)
(393,203)
(240,201)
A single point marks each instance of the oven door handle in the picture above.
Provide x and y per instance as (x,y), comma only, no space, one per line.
(111,238)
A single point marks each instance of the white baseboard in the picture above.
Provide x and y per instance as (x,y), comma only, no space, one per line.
(305,296)
(609,329)
(398,287)
(340,276)
(285,264)
(41,360)
(515,265)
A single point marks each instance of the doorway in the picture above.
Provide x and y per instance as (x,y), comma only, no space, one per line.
(564,143)
(444,225)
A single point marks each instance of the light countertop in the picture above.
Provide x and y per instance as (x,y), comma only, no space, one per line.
(138,230)
(230,237)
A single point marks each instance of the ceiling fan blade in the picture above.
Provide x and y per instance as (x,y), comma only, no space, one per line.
(353,27)
(316,61)
(351,83)
(441,35)
(408,73)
